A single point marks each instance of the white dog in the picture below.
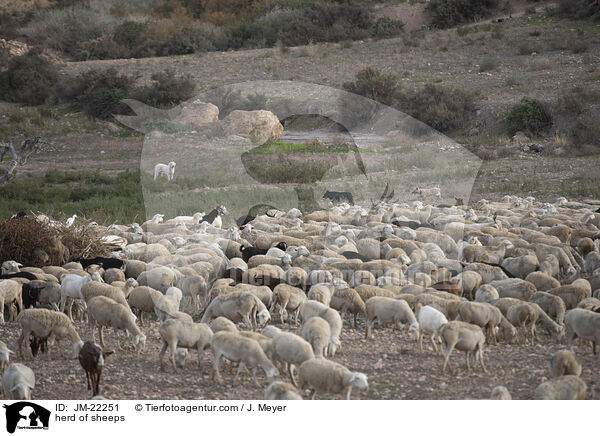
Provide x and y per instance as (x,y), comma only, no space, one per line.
(167,170)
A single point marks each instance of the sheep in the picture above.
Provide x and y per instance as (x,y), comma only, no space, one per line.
(390,311)
(237,306)
(93,289)
(5,353)
(18,381)
(50,297)
(292,350)
(368,291)
(521,266)
(168,305)
(553,305)
(104,262)
(563,362)
(105,312)
(487,317)
(43,323)
(430,322)
(465,337)
(513,287)
(289,298)
(313,308)
(70,289)
(566,387)
(280,391)
(237,348)
(168,170)
(317,333)
(486,294)
(160,278)
(321,293)
(177,333)
(348,300)
(195,289)
(221,323)
(592,304)
(91,358)
(265,342)
(570,294)
(133,268)
(584,324)
(324,376)
(10,291)
(522,315)
(500,393)
(142,300)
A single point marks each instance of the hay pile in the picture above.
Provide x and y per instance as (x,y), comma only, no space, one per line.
(35,243)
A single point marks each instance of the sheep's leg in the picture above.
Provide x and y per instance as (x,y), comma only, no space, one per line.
(118,339)
(161,355)
(468,364)
(291,371)
(348,392)
(100,335)
(421,342)
(200,353)
(247,321)
(446,359)
(368,328)
(241,366)
(480,354)
(533,333)
(216,375)
(172,349)
(87,377)
(314,394)
(435,348)
(20,343)
(355,321)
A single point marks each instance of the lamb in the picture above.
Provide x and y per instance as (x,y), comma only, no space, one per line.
(584,324)
(142,300)
(313,308)
(237,348)
(91,359)
(500,393)
(168,170)
(430,322)
(292,350)
(553,305)
(462,336)
(487,317)
(348,300)
(18,381)
(10,291)
(317,333)
(176,333)
(324,376)
(390,311)
(105,312)
(168,305)
(279,391)
(563,362)
(566,387)
(43,323)
(237,306)
(289,298)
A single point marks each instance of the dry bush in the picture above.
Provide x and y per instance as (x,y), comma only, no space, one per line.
(34,243)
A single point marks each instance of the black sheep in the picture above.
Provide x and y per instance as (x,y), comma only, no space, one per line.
(217,211)
(354,255)
(31,293)
(104,262)
(21,274)
(91,358)
(248,252)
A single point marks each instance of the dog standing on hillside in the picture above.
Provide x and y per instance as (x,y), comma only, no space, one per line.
(339,196)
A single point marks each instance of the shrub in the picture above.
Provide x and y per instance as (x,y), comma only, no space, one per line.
(574,100)
(386,27)
(448,13)
(489,64)
(130,34)
(167,89)
(579,9)
(28,79)
(376,85)
(97,93)
(529,115)
(104,47)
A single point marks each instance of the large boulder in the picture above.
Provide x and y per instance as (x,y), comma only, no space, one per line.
(258,126)
(197,113)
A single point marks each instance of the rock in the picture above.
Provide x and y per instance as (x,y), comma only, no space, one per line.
(197,113)
(14,48)
(259,126)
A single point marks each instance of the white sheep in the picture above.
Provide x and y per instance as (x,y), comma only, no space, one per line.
(465,337)
(18,381)
(44,323)
(500,393)
(430,322)
(387,310)
(70,289)
(317,332)
(237,306)
(292,350)
(289,298)
(584,324)
(168,170)
(564,362)
(142,299)
(310,309)
(168,305)
(324,376)
(184,334)
(5,353)
(566,387)
(237,348)
(280,391)
(105,312)
(10,291)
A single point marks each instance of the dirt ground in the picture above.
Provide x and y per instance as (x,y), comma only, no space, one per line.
(394,366)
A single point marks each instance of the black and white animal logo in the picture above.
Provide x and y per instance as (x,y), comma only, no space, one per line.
(26,415)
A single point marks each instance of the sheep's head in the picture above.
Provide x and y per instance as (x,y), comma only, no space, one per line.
(77,346)
(413,329)
(263,317)
(358,380)
(272,373)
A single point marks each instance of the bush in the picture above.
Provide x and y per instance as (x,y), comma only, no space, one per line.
(130,34)
(579,9)
(97,93)
(386,27)
(376,85)
(167,89)
(529,115)
(448,13)
(29,79)
(489,64)
(104,47)
(575,100)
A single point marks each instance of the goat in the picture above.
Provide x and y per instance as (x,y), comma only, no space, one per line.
(91,358)
(248,252)
(214,216)
(104,262)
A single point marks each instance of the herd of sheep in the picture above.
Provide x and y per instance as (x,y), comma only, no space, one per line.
(275,293)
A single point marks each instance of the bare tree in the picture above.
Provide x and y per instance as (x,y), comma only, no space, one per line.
(28,147)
